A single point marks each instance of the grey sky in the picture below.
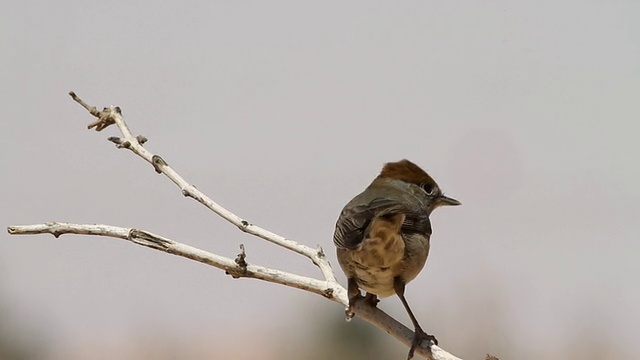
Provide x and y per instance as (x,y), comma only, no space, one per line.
(526,112)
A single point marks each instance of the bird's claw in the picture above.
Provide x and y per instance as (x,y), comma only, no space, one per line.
(369,299)
(418,338)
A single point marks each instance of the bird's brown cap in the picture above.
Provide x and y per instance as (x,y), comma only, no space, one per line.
(406,171)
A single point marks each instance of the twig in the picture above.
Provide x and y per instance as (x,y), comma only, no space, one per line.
(236,269)
(113,115)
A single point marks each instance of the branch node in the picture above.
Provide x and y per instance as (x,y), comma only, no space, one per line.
(245,224)
(120,142)
(141,139)
(158,163)
(328,293)
(320,252)
(92,109)
(147,239)
(105,118)
(114,139)
(240,259)
(241,271)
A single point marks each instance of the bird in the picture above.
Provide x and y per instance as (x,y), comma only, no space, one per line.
(382,236)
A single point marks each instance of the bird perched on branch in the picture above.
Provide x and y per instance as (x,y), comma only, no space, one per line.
(382,236)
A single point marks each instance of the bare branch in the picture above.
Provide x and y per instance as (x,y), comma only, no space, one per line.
(140,237)
(113,115)
(239,267)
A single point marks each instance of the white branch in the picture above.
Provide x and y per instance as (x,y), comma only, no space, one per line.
(328,287)
(237,268)
(113,115)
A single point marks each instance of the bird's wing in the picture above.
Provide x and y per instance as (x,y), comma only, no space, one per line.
(354,220)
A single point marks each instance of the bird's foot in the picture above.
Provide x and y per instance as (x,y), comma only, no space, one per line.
(418,338)
(371,299)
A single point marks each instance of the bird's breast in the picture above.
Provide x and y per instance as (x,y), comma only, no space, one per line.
(385,254)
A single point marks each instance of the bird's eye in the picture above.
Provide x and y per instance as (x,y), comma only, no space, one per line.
(428,188)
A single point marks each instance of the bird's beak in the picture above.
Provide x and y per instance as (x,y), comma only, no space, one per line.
(444,201)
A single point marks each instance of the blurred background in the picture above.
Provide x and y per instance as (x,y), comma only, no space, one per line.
(527,112)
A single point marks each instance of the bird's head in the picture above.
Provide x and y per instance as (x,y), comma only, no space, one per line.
(409,172)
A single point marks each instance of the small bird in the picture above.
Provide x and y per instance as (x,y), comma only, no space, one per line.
(382,236)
